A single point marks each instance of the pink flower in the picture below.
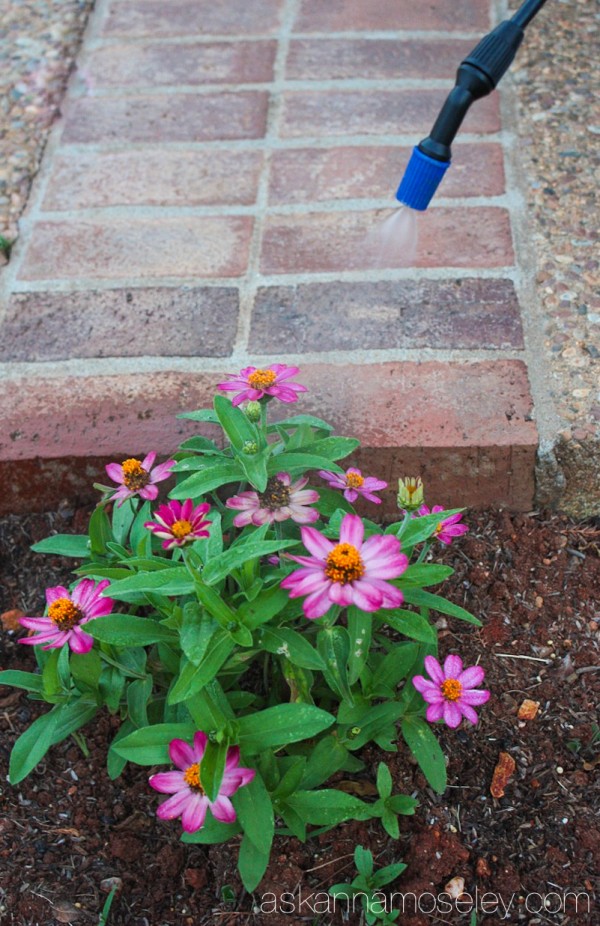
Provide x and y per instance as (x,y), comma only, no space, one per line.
(189,800)
(177,524)
(450,694)
(280,501)
(253,383)
(67,613)
(138,478)
(353,484)
(351,572)
(448,528)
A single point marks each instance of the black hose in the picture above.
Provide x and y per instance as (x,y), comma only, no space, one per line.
(525,13)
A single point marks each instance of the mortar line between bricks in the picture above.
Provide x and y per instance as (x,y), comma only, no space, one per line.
(145,91)
(405,140)
(396,35)
(118,366)
(249,282)
(264,280)
(215,210)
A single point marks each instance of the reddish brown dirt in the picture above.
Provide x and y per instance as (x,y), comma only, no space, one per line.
(534,583)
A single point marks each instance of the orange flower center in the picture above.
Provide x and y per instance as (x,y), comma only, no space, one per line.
(134,475)
(344,564)
(262,379)
(191,776)
(275,496)
(451,689)
(181,529)
(354,480)
(64,613)
(411,488)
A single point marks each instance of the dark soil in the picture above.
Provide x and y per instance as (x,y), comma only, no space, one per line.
(533,580)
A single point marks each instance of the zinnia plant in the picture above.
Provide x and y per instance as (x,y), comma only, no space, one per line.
(187,621)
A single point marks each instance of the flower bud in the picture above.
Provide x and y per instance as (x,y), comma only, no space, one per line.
(410,493)
(253,411)
(250,447)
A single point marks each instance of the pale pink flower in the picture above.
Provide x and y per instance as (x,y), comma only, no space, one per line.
(138,478)
(67,613)
(254,383)
(280,501)
(189,800)
(353,483)
(350,572)
(450,694)
(179,523)
(448,528)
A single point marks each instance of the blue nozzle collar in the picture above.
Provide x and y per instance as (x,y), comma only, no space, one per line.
(421,179)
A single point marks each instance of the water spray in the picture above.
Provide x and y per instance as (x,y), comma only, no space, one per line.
(477,76)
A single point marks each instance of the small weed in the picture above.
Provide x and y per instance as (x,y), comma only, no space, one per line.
(103,918)
(5,246)
(367,885)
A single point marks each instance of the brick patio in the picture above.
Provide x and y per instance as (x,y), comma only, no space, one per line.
(203,204)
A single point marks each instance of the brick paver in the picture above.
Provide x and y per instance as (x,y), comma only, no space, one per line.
(204,204)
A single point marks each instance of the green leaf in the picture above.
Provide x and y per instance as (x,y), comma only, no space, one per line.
(32,746)
(255,813)
(327,758)
(114,762)
(193,678)
(410,624)
(290,781)
(300,462)
(333,448)
(27,680)
(252,864)
(170,582)
(122,519)
(128,630)
(415,530)
(328,807)
(200,444)
(76,545)
(371,722)
(389,821)
(238,428)
(222,565)
(395,666)
(277,726)
(212,477)
(426,750)
(72,716)
(138,695)
(202,414)
(293,646)
(333,644)
(363,859)
(140,537)
(298,420)
(99,530)
(388,874)
(197,630)
(255,467)
(359,629)
(422,574)
(86,669)
(418,596)
(384,780)
(269,603)
(402,803)
(150,745)
(213,832)
(331,501)
(213,766)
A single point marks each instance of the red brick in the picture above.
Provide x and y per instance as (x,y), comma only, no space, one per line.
(167,322)
(301,175)
(166,118)
(376,112)
(336,241)
(156,178)
(156,18)
(345,15)
(371,59)
(121,249)
(156,65)
(466,427)
(315,317)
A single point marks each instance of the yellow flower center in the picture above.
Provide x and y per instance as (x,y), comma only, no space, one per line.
(262,379)
(134,475)
(344,564)
(275,496)
(438,528)
(451,689)
(354,480)
(64,613)
(181,529)
(191,776)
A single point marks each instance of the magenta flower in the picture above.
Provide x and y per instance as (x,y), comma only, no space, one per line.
(189,800)
(451,695)
(67,613)
(253,384)
(353,484)
(351,572)
(138,478)
(448,528)
(177,524)
(280,501)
